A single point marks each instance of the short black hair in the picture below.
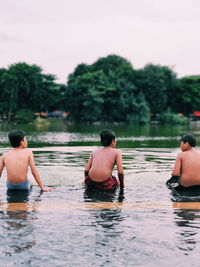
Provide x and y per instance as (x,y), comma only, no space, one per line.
(107,136)
(190,139)
(15,137)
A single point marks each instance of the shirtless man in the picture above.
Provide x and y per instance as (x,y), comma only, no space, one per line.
(187,165)
(98,171)
(16,163)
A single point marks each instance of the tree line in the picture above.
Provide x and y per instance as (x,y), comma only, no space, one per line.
(110,89)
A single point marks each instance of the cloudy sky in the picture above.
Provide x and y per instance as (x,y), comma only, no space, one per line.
(59,34)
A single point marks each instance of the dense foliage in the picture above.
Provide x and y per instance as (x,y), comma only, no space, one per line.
(110,89)
(24,86)
(104,91)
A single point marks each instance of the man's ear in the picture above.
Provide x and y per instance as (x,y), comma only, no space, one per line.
(113,142)
(21,142)
(187,144)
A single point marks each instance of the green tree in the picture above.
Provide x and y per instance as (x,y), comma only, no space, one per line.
(25,87)
(118,86)
(185,97)
(155,81)
(138,109)
(2,89)
(84,96)
(44,96)
(20,80)
(105,91)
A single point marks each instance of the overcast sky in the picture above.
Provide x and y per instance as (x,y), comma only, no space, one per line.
(60,34)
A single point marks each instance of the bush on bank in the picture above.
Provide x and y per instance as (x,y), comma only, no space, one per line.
(169,117)
(24,115)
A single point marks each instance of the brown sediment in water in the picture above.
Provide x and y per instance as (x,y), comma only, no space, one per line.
(97,205)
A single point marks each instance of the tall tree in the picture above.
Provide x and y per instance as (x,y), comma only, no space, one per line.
(84,96)
(2,90)
(104,91)
(185,97)
(24,86)
(154,81)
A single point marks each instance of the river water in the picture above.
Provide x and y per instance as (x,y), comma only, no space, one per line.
(143,225)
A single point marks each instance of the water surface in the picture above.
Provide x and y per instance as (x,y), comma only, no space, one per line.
(143,225)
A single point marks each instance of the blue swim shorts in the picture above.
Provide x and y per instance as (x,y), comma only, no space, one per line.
(21,186)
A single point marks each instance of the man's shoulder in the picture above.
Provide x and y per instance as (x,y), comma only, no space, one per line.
(24,151)
(103,151)
(187,154)
(117,150)
(96,150)
(5,154)
(27,151)
(181,155)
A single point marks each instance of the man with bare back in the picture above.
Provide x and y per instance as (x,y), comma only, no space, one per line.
(16,163)
(98,171)
(187,165)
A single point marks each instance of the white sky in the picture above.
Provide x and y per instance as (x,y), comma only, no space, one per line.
(60,34)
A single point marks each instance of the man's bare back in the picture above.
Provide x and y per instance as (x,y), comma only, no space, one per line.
(190,167)
(16,163)
(103,161)
(187,165)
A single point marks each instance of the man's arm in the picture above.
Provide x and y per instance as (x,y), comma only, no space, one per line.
(177,167)
(36,175)
(1,164)
(88,166)
(120,168)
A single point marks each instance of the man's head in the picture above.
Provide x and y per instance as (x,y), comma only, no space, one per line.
(187,141)
(107,137)
(16,137)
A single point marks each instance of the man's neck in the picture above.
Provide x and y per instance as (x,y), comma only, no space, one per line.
(191,149)
(17,148)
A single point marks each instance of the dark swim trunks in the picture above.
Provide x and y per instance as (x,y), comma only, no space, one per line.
(21,186)
(110,183)
(174,183)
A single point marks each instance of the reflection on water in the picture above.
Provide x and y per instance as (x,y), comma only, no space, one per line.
(107,218)
(105,226)
(113,195)
(188,232)
(18,196)
(188,195)
(18,229)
